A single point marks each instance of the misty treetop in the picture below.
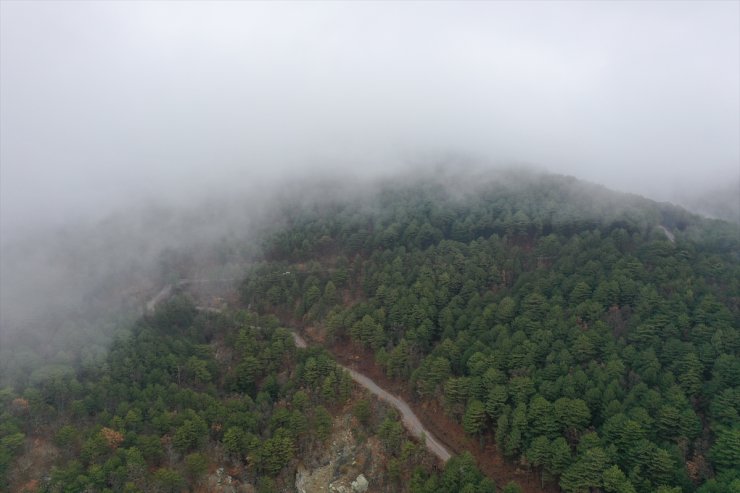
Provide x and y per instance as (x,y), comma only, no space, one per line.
(551,316)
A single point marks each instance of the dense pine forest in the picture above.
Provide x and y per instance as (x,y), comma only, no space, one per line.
(186,393)
(593,337)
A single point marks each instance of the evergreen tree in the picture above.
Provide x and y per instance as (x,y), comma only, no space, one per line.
(474,418)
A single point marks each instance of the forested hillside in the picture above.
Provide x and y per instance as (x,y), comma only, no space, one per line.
(594,336)
(205,401)
(158,403)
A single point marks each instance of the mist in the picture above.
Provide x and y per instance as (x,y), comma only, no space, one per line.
(132,133)
(108,104)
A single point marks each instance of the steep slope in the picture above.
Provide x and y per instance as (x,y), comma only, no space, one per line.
(211,400)
(551,316)
(550,327)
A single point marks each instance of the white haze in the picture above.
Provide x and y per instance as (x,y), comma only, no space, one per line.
(108,104)
(142,142)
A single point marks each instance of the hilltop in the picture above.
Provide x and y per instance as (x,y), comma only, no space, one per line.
(550,332)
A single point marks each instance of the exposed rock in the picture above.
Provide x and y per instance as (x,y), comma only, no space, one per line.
(360,484)
(339,486)
(301,475)
(344,465)
(316,481)
(222,482)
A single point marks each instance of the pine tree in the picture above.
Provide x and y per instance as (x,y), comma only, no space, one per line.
(726,451)
(234,441)
(538,454)
(661,466)
(496,401)
(474,418)
(586,473)
(559,457)
(616,482)
(572,414)
(540,418)
(330,294)
(502,431)
(691,374)
(322,422)
(668,422)
(328,388)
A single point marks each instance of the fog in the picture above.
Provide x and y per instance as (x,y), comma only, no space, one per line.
(130,128)
(106,104)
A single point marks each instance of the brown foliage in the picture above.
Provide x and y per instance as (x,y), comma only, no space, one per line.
(19,406)
(112,437)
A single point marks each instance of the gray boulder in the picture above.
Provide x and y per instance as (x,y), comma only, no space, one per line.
(360,484)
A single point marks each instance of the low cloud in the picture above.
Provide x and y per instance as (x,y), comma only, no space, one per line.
(108,104)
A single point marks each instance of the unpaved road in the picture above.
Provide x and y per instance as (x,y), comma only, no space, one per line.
(158,298)
(166,292)
(668,234)
(409,419)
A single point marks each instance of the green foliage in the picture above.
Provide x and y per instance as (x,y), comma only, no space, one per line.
(460,474)
(475,417)
(586,473)
(11,445)
(168,481)
(512,487)
(559,457)
(161,410)
(616,482)
(191,434)
(571,413)
(322,422)
(274,453)
(235,442)
(362,411)
(391,435)
(548,313)
(196,465)
(66,436)
(726,451)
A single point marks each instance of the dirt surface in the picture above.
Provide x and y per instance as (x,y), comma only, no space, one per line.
(209,293)
(300,342)
(442,427)
(668,234)
(409,419)
(431,416)
(36,462)
(158,298)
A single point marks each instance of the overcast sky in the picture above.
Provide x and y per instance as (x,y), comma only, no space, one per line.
(105,103)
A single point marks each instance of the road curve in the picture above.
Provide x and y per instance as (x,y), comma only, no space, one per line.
(409,419)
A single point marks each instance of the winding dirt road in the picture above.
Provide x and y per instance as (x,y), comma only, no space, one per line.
(409,419)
